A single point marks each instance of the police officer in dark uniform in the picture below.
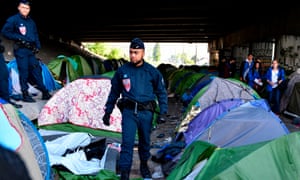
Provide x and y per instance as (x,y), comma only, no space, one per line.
(23,31)
(4,79)
(140,85)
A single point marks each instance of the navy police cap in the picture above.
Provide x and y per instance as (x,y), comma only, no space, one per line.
(28,2)
(137,43)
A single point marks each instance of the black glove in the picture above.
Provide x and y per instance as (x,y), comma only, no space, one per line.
(106,119)
(35,50)
(162,118)
(2,48)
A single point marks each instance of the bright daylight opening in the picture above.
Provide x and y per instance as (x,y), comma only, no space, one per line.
(156,53)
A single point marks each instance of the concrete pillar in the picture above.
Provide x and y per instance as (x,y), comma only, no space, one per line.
(288,50)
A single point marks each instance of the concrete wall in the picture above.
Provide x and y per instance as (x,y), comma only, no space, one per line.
(50,50)
(288,51)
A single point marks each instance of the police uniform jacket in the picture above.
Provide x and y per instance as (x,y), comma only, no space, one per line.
(20,28)
(141,84)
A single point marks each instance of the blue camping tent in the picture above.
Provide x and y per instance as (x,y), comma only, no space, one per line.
(204,119)
(248,123)
(14,88)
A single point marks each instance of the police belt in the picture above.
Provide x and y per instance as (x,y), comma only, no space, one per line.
(137,106)
(24,44)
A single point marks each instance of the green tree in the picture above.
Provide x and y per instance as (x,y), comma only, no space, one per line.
(156,52)
(184,58)
(194,58)
(114,54)
(97,48)
(102,50)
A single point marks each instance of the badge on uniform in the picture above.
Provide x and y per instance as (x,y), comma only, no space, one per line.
(22,29)
(126,82)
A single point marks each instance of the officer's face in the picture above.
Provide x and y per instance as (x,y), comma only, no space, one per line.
(24,9)
(136,56)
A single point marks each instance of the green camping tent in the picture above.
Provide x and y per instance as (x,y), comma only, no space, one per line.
(196,152)
(187,82)
(276,159)
(175,78)
(70,68)
(83,66)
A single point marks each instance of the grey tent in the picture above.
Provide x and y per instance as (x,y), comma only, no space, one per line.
(217,90)
(288,95)
(220,89)
(293,105)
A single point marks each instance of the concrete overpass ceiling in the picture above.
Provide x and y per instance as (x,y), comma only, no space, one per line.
(153,21)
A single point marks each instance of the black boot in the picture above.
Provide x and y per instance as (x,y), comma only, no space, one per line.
(145,172)
(46,95)
(27,97)
(125,175)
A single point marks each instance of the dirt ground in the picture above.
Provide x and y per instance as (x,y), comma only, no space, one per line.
(289,122)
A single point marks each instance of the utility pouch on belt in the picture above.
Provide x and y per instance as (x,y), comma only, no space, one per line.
(25,44)
(120,104)
(153,105)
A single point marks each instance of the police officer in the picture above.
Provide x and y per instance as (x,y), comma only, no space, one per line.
(140,85)
(22,30)
(4,80)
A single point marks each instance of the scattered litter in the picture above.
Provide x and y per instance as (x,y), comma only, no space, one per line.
(157,172)
(160,135)
(169,139)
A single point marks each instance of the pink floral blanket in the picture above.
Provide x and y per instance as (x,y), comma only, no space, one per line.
(81,102)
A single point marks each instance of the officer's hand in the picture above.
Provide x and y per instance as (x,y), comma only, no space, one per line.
(106,119)
(2,48)
(162,118)
(35,50)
